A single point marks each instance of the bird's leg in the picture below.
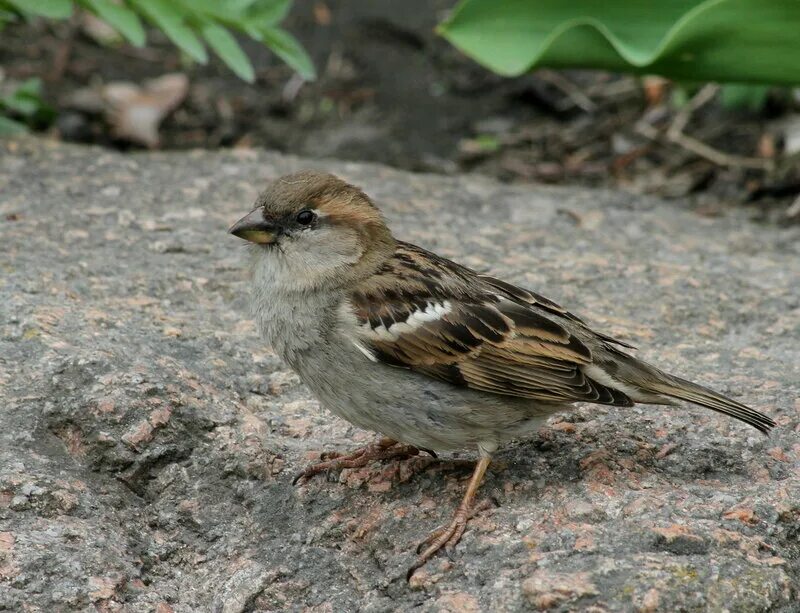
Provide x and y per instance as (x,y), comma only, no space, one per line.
(385,449)
(449,535)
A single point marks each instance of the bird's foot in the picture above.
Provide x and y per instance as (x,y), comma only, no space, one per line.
(384,449)
(447,537)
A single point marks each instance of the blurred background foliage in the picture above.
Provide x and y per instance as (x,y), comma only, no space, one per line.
(687,98)
(189,24)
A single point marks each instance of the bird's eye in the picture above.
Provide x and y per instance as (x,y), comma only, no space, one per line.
(305,217)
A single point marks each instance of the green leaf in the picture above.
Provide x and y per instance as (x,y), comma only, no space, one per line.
(268,12)
(30,87)
(25,99)
(752,41)
(171,22)
(286,47)
(226,47)
(122,19)
(748,97)
(21,104)
(228,12)
(9,127)
(218,10)
(237,6)
(54,9)
(487,142)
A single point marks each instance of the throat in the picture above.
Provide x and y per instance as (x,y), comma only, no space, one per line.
(290,319)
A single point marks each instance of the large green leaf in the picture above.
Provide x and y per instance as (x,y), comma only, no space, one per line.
(719,40)
(225,46)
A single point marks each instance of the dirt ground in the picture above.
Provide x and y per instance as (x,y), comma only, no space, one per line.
(390,90)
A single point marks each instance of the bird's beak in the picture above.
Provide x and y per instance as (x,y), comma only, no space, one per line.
(252,227)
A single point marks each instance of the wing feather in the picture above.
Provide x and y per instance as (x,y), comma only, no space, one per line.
(433,316)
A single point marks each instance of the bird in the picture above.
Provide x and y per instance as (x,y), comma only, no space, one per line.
(429,354)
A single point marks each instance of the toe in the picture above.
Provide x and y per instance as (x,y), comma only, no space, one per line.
(431,538)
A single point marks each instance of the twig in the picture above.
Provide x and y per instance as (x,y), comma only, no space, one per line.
(700,99)
(647,130)
(675,134)
(292,88)
(573,92)
(613,89)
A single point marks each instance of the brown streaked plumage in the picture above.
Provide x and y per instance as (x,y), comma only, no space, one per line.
(423,350)
(503,339)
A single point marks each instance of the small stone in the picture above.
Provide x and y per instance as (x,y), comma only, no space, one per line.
(743,514)
(779,454)
(457,602)
(679,540)
(239,589)
(160,417)
(19,503)
(419,579)
(103,588)
(582,510)
(31,489)
(547,590)
(139,434)
(564,426)
(650,602)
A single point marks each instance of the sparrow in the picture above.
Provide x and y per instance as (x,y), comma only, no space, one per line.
(428,353)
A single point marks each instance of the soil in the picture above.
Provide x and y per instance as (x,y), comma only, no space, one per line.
(390,90)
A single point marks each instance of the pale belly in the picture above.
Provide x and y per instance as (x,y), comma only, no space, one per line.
(414,408)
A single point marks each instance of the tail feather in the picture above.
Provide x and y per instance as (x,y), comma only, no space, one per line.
(675,387)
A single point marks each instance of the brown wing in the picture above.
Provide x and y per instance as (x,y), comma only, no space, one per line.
(532,298)
(435,317)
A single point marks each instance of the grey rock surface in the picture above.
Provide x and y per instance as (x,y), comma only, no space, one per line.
(148,438)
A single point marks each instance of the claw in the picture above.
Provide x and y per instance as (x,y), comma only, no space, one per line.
(440,539)
(330,455)
(297,477)
(384,449)
(429,539)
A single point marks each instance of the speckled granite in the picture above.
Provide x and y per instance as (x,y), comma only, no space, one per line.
(148,438)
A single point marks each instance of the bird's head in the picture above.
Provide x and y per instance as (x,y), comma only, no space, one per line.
(317,228)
